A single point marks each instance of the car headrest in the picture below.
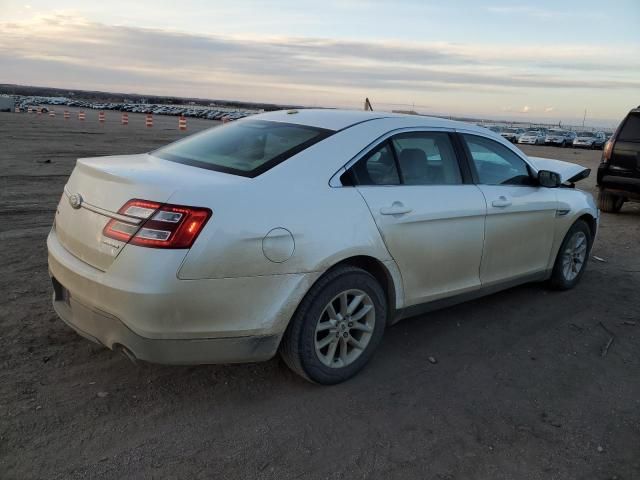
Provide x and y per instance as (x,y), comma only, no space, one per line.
(413,162)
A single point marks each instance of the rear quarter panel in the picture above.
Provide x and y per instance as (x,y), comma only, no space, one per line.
(325,225)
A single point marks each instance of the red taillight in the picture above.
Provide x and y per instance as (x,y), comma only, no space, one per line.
(608,146)
(158,225)
(606,152)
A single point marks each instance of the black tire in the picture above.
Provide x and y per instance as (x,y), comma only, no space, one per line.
(607,202)
(558,279)
(563,144)
(297,348)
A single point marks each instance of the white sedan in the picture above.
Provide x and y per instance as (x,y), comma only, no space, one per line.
(306,232)
(532,137)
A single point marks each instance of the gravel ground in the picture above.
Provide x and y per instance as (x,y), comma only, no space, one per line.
(519,391)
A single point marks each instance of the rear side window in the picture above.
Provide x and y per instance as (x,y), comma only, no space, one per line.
(246,148)
(415,158)
(631,129)
(495,163)
(377,168)
(427,158)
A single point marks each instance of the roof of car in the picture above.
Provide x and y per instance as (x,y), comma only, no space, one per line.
(339,119)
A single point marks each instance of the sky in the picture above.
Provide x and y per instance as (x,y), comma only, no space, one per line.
(537,60)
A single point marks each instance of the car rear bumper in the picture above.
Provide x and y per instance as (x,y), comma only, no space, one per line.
(159,318)
(107,330)
(621,185)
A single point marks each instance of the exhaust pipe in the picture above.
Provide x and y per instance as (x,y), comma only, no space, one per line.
(128,354)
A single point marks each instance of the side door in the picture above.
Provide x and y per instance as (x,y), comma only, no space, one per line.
(521,214)
(429,213)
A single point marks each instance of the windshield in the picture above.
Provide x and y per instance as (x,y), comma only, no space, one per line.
(585,134)
(246,148)
(510,130)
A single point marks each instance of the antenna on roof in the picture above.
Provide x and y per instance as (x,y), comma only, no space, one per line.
(367,105)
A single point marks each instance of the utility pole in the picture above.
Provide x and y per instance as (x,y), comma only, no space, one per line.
(584,118)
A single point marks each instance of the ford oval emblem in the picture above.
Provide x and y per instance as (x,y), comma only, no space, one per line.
(75,200)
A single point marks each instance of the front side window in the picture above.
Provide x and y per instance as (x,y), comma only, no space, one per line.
(427,158)
(495,163)
(246,148)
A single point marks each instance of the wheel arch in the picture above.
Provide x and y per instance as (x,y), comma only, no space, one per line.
(386,273)
(381,273)
(591,222)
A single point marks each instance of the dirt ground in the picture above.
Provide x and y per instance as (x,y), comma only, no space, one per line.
(519,391)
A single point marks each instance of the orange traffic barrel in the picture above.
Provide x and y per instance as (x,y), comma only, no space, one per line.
(182,122)
(149,120)
(125,119)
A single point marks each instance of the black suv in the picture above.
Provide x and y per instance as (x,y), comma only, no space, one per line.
(619,171)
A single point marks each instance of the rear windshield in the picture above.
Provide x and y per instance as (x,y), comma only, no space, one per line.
(585,134)
(631,129)
(246,148)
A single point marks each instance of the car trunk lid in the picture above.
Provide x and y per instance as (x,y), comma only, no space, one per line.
(99,187)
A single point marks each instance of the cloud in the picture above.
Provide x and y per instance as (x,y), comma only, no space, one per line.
(67,50)
(559,12)
(520,10)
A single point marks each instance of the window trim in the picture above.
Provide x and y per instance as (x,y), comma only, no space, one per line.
(533,171)
(461,158)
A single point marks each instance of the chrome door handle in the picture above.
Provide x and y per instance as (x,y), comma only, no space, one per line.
(397,208)
(501,202)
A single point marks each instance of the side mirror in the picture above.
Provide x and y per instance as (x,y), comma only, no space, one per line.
(549,179)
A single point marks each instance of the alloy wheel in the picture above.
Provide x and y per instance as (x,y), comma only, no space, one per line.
(345,328)
(574,256)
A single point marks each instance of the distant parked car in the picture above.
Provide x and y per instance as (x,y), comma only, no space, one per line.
(560,138)
(589,140)
(532,137)
(619,171)
(512,134)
